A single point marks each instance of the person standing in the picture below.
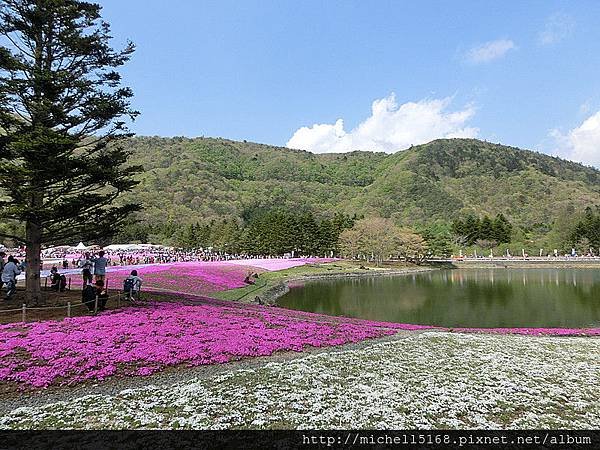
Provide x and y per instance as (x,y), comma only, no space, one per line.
(2,263)
(9,276)
(100,264)
(86,270)
(102,295)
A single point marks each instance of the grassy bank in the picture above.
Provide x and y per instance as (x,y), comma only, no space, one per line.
(269,281)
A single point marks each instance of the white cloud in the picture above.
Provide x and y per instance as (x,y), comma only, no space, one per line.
(389,128)
(558,27)
(489,51)
(581,144)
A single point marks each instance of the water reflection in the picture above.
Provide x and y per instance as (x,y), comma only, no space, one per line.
(466,297)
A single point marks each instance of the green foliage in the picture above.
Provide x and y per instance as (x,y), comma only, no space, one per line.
(270,232)
(203,179)
(438,237)
(377,239)
(586,233)
(61,104)
(473,229)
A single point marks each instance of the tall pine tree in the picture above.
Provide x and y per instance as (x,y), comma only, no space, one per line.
(61,104)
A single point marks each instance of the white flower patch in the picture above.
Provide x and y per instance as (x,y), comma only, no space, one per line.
(428,380)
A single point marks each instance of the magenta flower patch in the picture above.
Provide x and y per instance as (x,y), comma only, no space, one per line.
(143,340)
(199,278)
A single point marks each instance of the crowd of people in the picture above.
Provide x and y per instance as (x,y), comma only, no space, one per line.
(93,271)
(165,255)
(93,265)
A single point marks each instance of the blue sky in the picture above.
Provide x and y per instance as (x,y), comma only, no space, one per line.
(284,72)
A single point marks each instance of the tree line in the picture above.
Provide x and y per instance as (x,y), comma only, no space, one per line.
(586,234)
(271,232)
(378,239)
(485,232)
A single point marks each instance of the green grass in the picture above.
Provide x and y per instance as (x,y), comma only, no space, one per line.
(269,280)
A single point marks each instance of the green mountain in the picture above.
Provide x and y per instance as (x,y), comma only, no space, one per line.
(196,180)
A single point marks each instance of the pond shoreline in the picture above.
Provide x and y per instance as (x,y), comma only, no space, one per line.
(524,264)
(571,322)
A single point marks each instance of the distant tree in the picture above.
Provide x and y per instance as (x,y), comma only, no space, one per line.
(61,104)
(350,243)
(309,234)
(490,232)
(438,244)
(486,243)
(458,227)
(501,230)
(438,238)
(584,245)
(411,246)
(327,238)
(486,228)
(376,238)
(133,231)
(471,229)
(587,229)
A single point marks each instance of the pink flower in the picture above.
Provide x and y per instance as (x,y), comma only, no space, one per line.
(143,340)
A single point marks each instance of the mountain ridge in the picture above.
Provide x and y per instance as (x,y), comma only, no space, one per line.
(201,179)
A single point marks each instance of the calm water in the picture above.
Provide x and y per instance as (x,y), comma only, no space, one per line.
(464,297)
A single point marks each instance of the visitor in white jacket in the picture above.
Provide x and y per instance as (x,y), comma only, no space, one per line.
(9,276)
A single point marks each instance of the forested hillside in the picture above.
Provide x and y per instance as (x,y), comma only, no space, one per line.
(449,178)
(191,180)
(207,191)
(198,180)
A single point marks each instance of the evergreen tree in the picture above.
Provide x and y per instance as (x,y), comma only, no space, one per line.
(203,235)
(471,228)
(486,229)
(502,230)
(327,238)
(458,227)
(61,104)
(438,242)
(588,229)
(309,234)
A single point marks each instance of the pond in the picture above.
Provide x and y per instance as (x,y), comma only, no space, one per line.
(485,298)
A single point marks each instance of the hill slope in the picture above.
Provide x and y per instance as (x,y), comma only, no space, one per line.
(189,180)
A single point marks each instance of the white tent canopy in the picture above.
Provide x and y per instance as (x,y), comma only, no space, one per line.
(133,247)
(118,247)
(81,246)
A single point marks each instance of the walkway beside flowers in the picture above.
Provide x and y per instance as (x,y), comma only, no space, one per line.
(426,380)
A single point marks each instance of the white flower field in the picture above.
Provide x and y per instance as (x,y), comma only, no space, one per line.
(426,380)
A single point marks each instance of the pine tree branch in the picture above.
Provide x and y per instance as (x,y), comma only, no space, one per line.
(12,236)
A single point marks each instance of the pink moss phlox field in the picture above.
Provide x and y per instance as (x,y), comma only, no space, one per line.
(199,278)
(144,340)
(191,278)
(278,263)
